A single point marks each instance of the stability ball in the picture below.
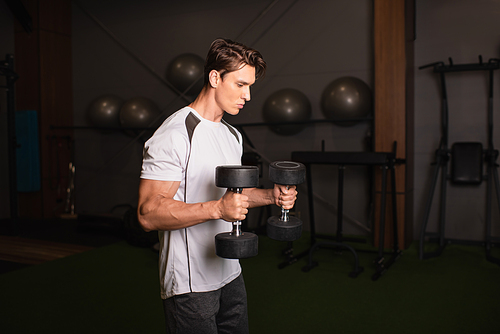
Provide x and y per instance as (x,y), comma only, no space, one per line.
(184,70)
(104,111)
(138,112)
(287,105)
(346,97)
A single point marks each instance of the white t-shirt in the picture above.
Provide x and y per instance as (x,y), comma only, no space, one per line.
(188,148)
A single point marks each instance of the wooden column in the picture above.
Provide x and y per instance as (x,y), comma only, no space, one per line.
(393,96)
(43,62)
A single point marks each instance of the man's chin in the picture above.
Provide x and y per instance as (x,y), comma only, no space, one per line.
(233,112)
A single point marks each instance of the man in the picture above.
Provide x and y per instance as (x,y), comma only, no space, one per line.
(203,293)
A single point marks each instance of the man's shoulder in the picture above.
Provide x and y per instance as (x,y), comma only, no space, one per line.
(175,123)
(172,132)
(178,117)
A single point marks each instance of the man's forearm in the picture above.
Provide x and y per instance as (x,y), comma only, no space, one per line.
(259,197)
(167,214)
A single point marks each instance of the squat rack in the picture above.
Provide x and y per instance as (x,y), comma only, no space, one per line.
(467,161)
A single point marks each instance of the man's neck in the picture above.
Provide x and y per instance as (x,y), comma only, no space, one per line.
(205,106)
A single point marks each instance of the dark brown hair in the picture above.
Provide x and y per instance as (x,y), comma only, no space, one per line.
(227,56)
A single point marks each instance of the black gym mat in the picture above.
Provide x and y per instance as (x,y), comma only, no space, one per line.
(114,289)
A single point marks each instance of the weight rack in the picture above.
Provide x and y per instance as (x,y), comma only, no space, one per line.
(387,161)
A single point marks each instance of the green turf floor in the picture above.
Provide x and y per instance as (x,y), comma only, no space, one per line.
(114,289)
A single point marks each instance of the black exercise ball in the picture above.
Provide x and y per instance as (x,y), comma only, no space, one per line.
(345,98)
(287,105)
(138,112)
(184,70)
(104,111)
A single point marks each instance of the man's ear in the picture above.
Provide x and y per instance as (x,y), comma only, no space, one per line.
(214,78)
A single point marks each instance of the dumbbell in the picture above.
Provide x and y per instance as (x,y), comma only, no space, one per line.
(285,228)
(236,244)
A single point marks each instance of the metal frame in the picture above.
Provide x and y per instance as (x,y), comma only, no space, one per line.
(443,154)
(7,70)
(387,161)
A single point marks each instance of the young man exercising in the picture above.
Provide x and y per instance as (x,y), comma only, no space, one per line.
(201,292)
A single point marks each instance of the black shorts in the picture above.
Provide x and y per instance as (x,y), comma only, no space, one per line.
(213,312)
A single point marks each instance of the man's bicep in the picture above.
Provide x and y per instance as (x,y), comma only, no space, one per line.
(153,196)
(152,188)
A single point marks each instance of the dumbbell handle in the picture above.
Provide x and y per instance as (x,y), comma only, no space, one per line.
(284,212)
(284,215)
(236,224)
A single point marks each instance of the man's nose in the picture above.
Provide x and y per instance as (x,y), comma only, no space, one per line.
(246,94)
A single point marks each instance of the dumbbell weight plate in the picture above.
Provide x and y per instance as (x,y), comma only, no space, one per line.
(229,245)
(233,176)
(290,230)
(243,246)
(287,172)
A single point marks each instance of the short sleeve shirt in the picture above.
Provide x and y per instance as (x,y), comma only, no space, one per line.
(188,148)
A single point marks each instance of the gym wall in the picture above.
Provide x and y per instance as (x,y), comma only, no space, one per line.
(307,44)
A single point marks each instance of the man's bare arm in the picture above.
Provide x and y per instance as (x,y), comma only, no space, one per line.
(157,210)
(279,195)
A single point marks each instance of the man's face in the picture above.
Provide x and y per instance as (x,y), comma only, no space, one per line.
(234,90)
